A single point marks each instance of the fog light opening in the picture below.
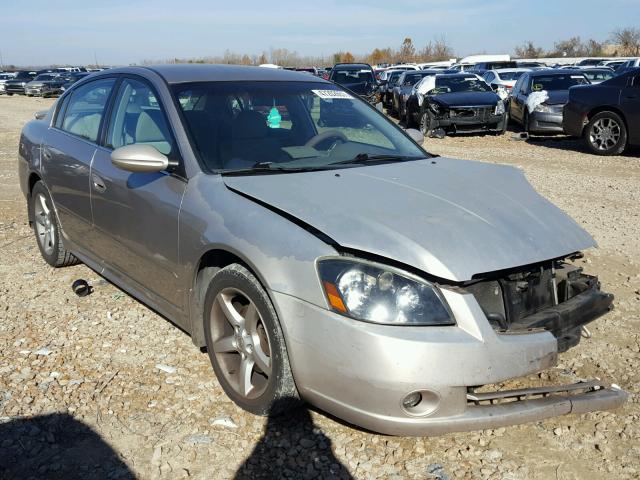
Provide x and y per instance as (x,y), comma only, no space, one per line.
(412,400)
(420,403)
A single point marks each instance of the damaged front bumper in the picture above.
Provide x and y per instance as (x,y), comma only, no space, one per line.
(469,120)
(422,381)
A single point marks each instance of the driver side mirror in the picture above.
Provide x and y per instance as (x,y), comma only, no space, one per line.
(139,158)
(416,135)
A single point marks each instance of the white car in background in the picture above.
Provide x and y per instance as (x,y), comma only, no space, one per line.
(3,78)
(503,77)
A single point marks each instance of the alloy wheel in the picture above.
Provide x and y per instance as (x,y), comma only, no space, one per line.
(605,134)
(241,343)
(45,228)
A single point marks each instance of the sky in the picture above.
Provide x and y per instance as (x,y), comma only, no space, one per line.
(119,32)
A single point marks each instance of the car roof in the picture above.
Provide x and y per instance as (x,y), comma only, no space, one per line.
(185,73)
(555,71)
(510,70)
(353,66)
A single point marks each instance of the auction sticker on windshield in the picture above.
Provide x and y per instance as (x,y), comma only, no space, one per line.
(329,94)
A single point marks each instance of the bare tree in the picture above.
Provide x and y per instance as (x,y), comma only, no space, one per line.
(529,50)
(407,51)
(571,47)
(629,39)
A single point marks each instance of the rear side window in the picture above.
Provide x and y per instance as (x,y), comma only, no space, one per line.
(85,109)
(138,118)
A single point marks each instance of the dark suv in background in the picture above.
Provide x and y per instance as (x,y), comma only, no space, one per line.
(357,77)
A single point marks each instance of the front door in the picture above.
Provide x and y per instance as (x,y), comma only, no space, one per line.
(630,103)
(136,214)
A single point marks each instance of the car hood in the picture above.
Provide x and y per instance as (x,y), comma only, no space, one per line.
(557,97)
(450,218)
(16,82)
(40,83)
(466,99)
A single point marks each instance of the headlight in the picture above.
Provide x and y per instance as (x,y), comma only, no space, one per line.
(379,294)
(435,108)
(499,108)
(543,108)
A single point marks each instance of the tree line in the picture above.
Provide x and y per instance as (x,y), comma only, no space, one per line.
(622,42)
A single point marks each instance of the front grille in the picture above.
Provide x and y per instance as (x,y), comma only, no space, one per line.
(478,113)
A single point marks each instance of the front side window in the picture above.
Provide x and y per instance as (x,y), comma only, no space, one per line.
(285,125)
(85,110)
(138,118)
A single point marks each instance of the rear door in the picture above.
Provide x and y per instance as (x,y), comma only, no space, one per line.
(67,151)
(136,214)
(630,104)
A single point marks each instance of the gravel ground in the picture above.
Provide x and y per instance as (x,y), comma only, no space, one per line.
(102,387)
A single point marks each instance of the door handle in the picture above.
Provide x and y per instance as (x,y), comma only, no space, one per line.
(46,153)
(97,183)
(631,97)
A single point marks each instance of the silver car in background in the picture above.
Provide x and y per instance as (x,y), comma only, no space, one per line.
(314,248)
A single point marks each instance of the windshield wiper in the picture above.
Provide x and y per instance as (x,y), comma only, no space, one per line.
(270,167)
(365,157)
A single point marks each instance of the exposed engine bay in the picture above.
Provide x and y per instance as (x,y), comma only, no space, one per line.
(555,296)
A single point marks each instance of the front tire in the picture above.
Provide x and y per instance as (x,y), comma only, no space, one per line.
(47,229)
(606,134)
(246,345)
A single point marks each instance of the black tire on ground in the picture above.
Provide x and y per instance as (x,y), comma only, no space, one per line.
(525,122)
(426,123)
(606,134)
(51,246)
(10,94)
(408,119)
(280,393)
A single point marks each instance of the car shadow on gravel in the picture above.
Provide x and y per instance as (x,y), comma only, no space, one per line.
(56,446)
(292,447)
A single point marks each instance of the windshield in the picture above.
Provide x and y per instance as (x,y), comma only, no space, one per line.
(345,77)
(445,84)
(598,75)
(413,78)
(285,125)
(510,75)
(557,82)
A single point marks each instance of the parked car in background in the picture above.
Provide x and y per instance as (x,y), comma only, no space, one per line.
(482,67)
(530,65)
(402,90)
(345,266)
(538,97)
(3,79)
(411,106)
(606,115)
(45,85)
(357,77)
(598,75)
(588,62)
(388,81)
(628,65)
(17,84)
(72,78)
(503,77)
(613,64)
(459,103)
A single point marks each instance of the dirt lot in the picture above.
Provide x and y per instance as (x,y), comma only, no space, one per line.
(101,387)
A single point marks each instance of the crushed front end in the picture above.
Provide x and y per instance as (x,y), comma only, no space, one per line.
(467,119)
(555,296)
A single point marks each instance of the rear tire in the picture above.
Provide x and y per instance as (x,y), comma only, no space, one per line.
(246,345)
(606,134)
(47,229)
(525,122)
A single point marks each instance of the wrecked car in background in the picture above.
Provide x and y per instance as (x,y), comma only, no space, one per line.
(405,101)
(344,266)
(538,98)
(459,103)
(45,85)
